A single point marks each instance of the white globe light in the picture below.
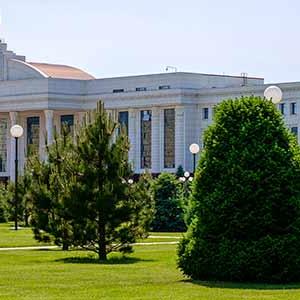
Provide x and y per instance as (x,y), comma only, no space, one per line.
(16,131)
(186,174)
(130,181)
(273,93)
(191,179)
(194,148)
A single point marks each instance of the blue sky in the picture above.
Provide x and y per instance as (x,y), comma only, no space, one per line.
(115,37)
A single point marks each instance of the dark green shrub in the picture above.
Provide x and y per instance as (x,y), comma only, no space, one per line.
(245,202)
(168,215)
(4,206)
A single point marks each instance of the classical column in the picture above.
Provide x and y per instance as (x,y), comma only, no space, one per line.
(179,137)
(132,137)
(13,121)
(80,117)
(49,125)
(190,134)
(155,143)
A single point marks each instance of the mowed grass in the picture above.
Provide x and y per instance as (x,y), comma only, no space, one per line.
(149,273)
(24,237)
(16,238)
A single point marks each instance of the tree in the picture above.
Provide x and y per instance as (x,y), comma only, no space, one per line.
(245,199)
(4,203)
(168,215)
(106,212)
(48,190)
(180,171)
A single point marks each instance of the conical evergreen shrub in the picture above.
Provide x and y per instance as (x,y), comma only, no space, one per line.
(245,203)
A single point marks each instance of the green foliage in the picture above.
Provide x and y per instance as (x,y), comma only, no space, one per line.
(49,188)
(167,194)
(81,195)
(180,171)
(245,202)
(4,204)
(107,213)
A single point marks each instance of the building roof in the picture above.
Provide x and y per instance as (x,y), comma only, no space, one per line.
(61,71)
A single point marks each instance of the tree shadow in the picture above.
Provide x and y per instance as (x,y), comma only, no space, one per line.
(122,260)
(244,286)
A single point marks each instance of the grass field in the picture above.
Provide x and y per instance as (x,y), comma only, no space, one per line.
(149,273)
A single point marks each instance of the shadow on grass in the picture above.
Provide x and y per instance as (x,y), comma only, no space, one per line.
(244,286)
(122,260)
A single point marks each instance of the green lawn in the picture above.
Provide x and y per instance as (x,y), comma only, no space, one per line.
(20,238)
(24,237)
(149,273)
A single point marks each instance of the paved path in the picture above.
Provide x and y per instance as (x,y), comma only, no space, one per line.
(163,237)
(54,247)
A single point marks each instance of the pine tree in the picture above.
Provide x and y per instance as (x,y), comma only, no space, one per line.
(49,188)
(106,211)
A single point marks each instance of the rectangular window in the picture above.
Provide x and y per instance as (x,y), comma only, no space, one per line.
(67,122)
(164,87)
(146,136)
(123,120)
(118,91)
(3,144)
(281,108)
(205,113)
(169,138)
(33,135)
(294,130)
(293,108)
(140,89)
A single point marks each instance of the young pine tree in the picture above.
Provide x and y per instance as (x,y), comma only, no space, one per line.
(49,188)
(107,213)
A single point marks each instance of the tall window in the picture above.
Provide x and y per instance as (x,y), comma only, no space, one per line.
(293,108)
(33,135)
(67,122)
(169,138)
(3,144)
(281,108)
(146,137)
(205,113)
(123,120)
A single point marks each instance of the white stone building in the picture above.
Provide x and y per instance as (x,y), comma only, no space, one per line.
(164,113)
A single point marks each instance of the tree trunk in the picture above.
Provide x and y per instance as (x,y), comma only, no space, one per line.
(26,219)
(102,244)
(65,246)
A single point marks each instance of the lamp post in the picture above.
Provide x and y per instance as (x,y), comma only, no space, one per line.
(273,93)
(194,149)
(16,131)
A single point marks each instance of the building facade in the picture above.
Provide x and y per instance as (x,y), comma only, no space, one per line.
(163,113)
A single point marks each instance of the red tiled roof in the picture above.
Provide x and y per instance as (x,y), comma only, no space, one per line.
(61,71)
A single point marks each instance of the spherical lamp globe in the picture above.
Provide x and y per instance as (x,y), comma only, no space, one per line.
(194,148)
(273,93)
(16,131)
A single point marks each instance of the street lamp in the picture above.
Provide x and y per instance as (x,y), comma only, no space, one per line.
(194,149)
(16,131)
(273,93)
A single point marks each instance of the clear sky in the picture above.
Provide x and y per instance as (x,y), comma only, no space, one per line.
(125,37)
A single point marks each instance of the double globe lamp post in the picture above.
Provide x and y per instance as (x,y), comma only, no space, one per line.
(16,131)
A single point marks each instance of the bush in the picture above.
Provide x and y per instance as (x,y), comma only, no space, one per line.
(4,207)
(245,199)
(168,215)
